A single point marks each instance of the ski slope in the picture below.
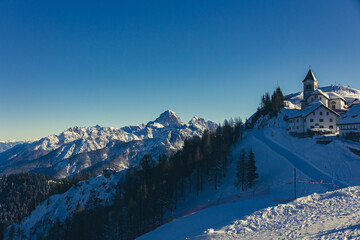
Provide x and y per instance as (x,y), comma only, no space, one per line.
(298,162)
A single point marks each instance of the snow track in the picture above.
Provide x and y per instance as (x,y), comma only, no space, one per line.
(332,215)
(298,162)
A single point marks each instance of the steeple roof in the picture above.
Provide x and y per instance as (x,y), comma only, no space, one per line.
(310,75)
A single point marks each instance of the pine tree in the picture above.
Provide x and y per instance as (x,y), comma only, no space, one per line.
(241,171)
(277,101)
(267,107)
(251,170)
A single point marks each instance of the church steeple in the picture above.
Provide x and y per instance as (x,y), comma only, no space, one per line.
(310,75)
(310,84)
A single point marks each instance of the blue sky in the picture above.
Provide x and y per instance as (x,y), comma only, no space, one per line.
(117,63)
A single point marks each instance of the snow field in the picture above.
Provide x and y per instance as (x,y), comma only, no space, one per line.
(332,215)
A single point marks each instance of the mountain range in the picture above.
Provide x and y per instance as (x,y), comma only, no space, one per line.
(82,149)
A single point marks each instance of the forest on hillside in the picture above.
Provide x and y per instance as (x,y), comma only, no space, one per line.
(268,106)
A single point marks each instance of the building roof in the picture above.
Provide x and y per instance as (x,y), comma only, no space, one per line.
(316,101)
(333,95)
(319,92)
(350,117)
(310,75)
(354,102)
(307,111)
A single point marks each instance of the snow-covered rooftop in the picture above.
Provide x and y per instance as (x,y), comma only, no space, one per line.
(352,116)
(333,95)
(308,110)
(319,92)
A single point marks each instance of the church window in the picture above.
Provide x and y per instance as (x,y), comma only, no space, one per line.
(320,113)
(320,98)
(321,120)
(330,119)
(331,126)
(327,113)
(311,120)
(333,106)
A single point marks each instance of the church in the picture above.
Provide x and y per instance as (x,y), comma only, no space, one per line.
(313,94)
(319,110)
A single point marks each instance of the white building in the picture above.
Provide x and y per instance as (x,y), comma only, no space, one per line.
(319,110)
(312,93)
(349,123)
(314,119)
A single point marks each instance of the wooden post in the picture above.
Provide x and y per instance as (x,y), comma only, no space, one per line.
(294,183)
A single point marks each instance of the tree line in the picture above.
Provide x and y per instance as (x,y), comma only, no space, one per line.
(268,106)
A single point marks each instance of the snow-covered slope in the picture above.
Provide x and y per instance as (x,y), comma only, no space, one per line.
(332,215)
(275,168)
(83,148)
(84,195)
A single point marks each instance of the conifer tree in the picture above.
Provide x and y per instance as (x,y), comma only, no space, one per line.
(241,171)
(251,169)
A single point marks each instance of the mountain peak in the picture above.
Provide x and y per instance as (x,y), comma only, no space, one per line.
(168,118)
(197,119)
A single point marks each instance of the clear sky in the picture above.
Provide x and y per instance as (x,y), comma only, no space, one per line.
(118,63)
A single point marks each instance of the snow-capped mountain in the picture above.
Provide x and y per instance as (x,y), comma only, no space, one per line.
(5,145)
(80,149)
(168,118)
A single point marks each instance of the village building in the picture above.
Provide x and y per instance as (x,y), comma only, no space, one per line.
(349,123)
(312,93)
(314,119)
(319,110)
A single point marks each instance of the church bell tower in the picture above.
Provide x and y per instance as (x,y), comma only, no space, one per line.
(310,84)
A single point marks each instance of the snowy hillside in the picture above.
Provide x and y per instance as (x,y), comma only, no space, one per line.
(84,195)
(276,153)
(332,215)
(93,148)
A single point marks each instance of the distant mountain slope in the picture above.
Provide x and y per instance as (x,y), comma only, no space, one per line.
(80,149)
(5,145)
